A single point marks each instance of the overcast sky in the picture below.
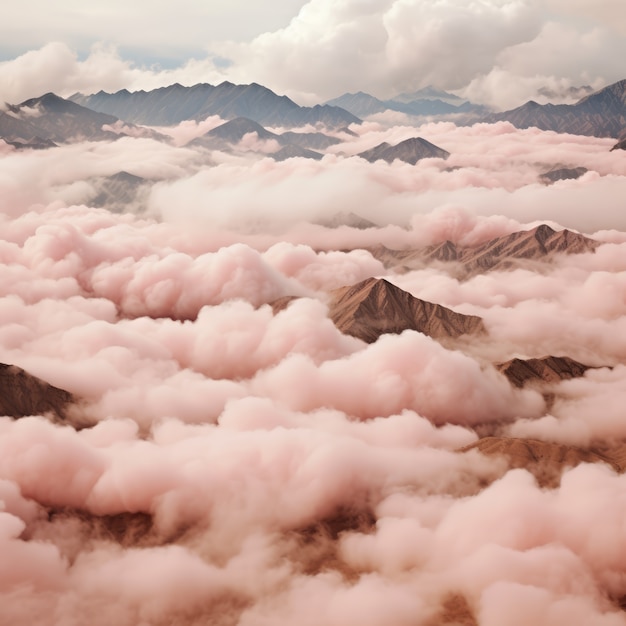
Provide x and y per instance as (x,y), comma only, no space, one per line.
(495,51)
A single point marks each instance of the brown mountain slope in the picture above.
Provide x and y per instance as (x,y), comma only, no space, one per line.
(549,369)
(22,394)
(538,244)
(545,460)
(374,307)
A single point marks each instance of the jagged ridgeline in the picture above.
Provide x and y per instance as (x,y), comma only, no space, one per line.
(171,105)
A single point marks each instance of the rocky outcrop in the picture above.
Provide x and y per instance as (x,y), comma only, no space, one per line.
(22,394)
(549,369)
(374,307)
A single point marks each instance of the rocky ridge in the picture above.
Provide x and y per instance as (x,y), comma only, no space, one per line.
(538,244)
(374,307)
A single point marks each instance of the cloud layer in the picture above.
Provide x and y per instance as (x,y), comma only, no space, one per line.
(245,467)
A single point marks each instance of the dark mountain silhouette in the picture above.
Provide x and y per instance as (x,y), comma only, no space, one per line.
(410,151)
(48,120)
(562,173)
(293,144)
(171,105)
(53,118)
(548,369)
(232,132)
(374,307)
(600,114)
(22,394)
(539,244)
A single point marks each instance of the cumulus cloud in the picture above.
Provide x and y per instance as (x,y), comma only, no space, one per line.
(495,52)
(236,465)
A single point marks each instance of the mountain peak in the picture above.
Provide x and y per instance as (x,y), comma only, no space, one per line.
(375,306)
(172,105)
(410,150)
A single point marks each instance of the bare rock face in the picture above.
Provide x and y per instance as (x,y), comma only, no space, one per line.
(374,307)
(549,369)
(545,460)
(22,394)
(539,244)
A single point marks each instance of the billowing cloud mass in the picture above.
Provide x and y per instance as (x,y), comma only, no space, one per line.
(233,463)
(496,52)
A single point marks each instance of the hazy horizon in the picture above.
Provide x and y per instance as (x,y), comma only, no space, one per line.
(498,53)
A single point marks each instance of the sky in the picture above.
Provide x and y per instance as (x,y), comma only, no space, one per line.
(496,52)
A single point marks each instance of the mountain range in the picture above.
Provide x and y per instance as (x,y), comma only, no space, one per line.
(600,114)
(501,253)
(42,122)
(171,105)
(53,119)
(424,102)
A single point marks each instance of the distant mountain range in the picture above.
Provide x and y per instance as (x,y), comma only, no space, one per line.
(424,102)
(501,253)
(600,114)
(171,105)
(39,121)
